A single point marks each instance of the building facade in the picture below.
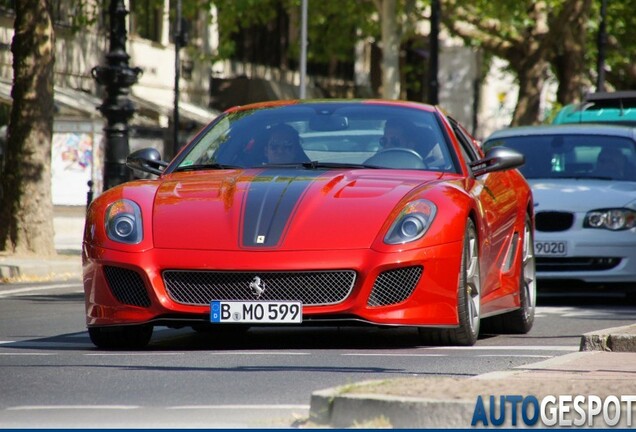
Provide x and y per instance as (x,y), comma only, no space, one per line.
(206,87)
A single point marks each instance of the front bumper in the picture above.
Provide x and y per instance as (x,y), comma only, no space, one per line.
(432,302)
(593,256)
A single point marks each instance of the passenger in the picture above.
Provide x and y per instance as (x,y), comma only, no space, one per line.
(400,133)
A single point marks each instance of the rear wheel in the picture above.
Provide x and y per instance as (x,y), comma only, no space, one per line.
(468,298)
(121,337)
(520,321)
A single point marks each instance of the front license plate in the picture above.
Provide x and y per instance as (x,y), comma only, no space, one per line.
(266,312)
(550,248)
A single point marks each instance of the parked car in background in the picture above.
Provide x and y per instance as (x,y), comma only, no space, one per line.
(583,179)
(601,107)
(381,213)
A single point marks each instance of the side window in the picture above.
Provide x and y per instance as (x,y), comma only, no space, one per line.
(466,144)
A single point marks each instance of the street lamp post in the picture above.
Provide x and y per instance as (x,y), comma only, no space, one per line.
(433,83)
(118,77)
(178,36)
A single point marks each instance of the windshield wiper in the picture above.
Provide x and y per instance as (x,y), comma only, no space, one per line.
(206,166)
(318,164)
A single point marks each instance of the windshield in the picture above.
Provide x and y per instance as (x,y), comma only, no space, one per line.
(316,135)
(573,156)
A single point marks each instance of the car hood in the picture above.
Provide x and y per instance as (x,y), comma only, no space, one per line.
(282,209)
(581,195)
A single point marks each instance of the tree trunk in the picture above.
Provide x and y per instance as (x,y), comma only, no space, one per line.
(390,50)
(532,78)
(569,47)
(26,213)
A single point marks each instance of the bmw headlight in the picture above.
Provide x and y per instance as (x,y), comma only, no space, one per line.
(611,219)
(412,222)
(123,222)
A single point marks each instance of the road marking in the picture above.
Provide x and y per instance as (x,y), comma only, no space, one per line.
(133,354)
(134,407)
(251,353)
(511,348)
(35,289)
(26,354)
(239,407)
(393,355)
(516,355)
(72,407)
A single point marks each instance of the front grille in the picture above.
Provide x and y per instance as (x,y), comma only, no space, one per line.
(311,288)
(552,221)
(394,286)
(576,264)
(127,286)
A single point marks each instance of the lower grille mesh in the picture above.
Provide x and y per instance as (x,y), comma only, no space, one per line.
(552,221)
(311,288)
(394,286)
(569,264)
(127,286)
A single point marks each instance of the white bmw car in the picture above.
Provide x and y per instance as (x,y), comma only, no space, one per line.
(583,179)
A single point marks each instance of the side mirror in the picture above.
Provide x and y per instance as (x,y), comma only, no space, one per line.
(146,160)
(497,159)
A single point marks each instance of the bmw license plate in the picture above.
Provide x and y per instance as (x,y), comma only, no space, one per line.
(256,312)
(550,248)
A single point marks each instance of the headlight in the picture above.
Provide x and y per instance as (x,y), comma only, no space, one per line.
(123,222)
(611,219)
(412,222)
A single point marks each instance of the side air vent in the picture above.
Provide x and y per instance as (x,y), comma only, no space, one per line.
(127,286)
(394,286)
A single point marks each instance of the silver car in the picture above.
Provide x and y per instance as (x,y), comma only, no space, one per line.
(583,179)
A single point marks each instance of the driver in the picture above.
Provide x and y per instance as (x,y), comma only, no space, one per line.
(398,133)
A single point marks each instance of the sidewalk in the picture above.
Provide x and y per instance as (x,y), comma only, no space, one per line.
(68,223)
(605,366)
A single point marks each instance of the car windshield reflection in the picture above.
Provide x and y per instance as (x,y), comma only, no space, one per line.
(316,136)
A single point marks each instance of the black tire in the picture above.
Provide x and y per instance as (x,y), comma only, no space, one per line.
(520,321)
(468,298)
(121,337)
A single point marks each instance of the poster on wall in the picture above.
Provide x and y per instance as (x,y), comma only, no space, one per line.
(71,163)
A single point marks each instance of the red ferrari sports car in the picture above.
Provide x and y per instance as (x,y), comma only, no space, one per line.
(327,212)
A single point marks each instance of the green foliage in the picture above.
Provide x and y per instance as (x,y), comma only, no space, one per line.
(621,30)
(332,28)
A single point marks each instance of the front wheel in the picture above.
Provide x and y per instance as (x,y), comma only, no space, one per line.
(468,297)
(121,337)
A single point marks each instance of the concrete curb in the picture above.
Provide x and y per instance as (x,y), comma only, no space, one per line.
(616,339)
(29,269)
(341,410)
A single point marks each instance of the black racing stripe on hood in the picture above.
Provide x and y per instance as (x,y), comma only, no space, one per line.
(271,199)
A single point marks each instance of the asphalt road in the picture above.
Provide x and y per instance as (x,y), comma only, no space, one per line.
(52,376)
